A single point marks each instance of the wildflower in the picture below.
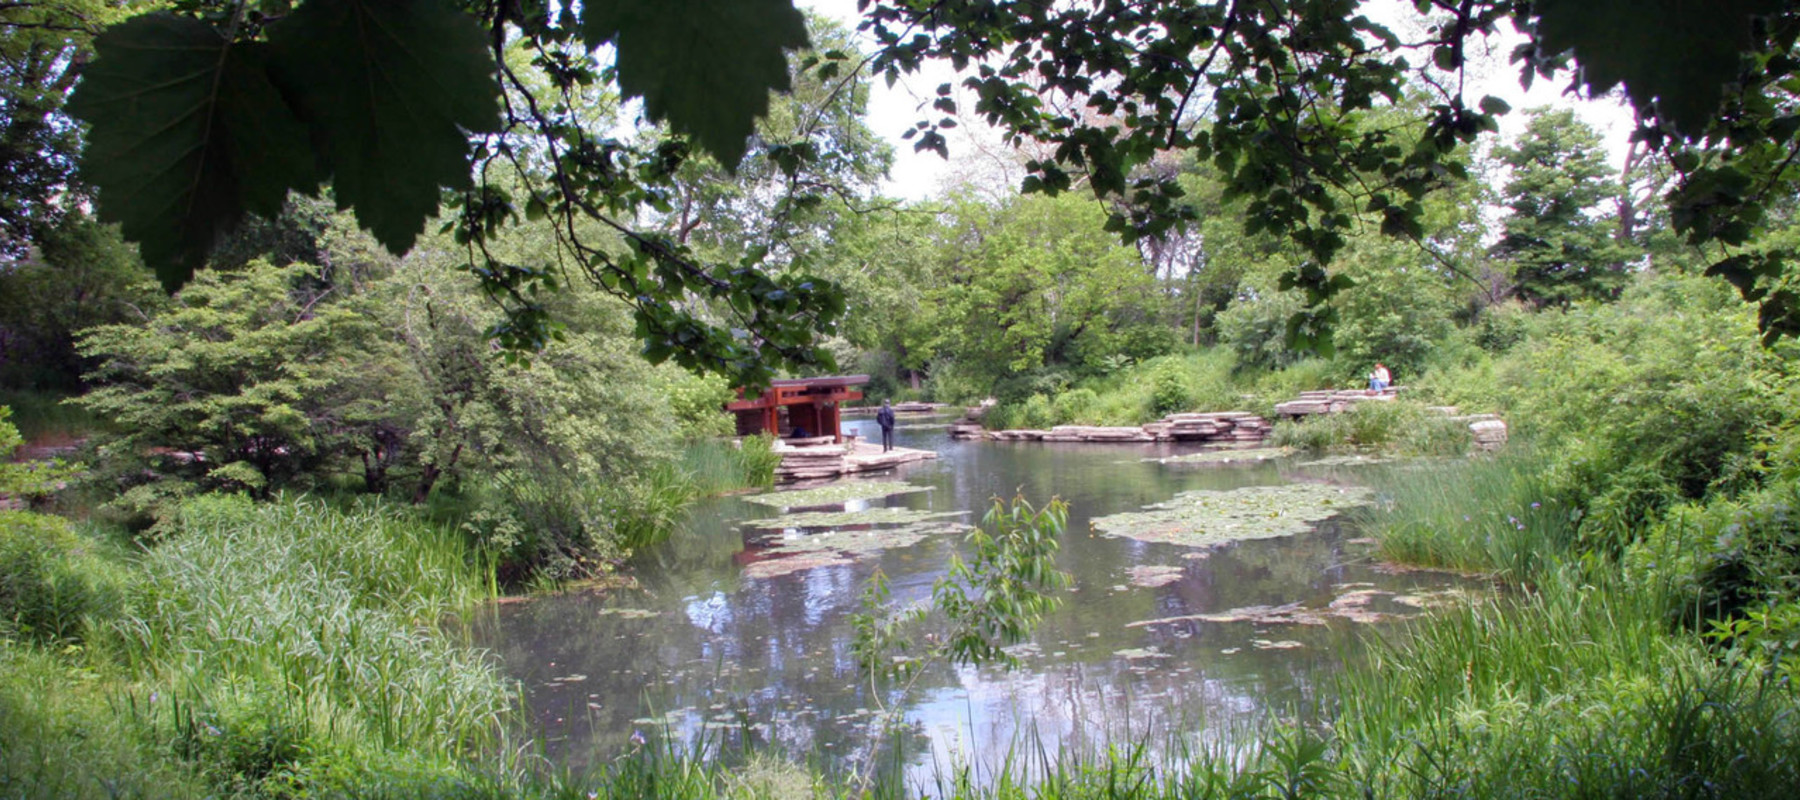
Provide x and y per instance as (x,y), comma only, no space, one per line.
(637,738)
(1465,518)
(1537,505)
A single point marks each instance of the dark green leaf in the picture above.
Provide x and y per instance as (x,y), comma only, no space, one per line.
(391,91)
(704,66)
(1673,55)
(187,134)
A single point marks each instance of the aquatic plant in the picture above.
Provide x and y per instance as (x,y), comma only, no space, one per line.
(836,493)
(806,551)
(1228,456)
(1482,515)
(1204,518)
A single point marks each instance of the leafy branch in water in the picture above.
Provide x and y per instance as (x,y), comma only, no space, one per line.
(987,603)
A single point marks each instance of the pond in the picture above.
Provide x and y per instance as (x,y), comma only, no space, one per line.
(722,645)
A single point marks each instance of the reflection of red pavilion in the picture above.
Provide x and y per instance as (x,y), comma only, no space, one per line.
(799,404)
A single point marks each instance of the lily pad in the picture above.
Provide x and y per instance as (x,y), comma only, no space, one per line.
(801,552)
(1151,576)
(1347,461)
(880,515)
(629,613)
(1204,518)
(1228,456)
(1140,652)
(835,494)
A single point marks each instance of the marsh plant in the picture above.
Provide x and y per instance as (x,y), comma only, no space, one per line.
(1490,514)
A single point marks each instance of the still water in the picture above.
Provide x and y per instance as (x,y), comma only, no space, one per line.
(703,652)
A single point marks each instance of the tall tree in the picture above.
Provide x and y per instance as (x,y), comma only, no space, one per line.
(261,99)
(43,46)
(1560,237)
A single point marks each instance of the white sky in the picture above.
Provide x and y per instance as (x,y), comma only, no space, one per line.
(921,175)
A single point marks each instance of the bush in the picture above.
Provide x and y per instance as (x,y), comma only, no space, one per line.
(1724,559)
(1077,406)
(54,586)
(1169,392)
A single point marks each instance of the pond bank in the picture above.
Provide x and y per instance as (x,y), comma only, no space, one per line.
(1231,428)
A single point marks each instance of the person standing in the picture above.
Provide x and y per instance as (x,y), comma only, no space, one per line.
(885,418)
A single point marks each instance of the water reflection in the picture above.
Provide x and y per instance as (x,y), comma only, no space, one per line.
(702,652)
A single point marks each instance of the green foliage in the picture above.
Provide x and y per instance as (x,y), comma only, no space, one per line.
(1255,328)
(237,106)
(390,93)
(294,630)
(708,71)
(987,603)
(67,740)
(1638,405)
(191,133)
(1574,689)
(43,46)
(1492,515)
(1043,289)
(31,479)
(1396,426)
(1560,248)
(55,585)
(995,598)
(81,274)
(1726,558)
(1636,48)
(247,376)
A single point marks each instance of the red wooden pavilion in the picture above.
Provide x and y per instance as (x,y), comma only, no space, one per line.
(809,404)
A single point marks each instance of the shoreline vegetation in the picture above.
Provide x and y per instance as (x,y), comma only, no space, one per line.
(292,647)
(299,468)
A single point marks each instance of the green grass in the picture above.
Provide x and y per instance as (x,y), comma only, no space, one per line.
(1576,689)
(61,735)
(1481,514)
(256,645)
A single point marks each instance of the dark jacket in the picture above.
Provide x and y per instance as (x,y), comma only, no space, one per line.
(885,418)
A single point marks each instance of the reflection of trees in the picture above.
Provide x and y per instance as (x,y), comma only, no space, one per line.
(770,662)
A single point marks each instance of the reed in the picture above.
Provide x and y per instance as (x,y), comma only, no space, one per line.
(1576,688)
(1485,514)
(276,632)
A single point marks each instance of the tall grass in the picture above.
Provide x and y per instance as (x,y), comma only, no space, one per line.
(62,738)
(717,466)
(1397,426)
(651,509)
(282,631)
(1576,689)
(1486,514)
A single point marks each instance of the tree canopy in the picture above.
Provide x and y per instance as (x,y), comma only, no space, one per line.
(214,110)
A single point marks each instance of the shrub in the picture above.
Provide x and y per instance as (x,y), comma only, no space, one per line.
(1169,391)
(1724,559)
(1076,406)
(54,586)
